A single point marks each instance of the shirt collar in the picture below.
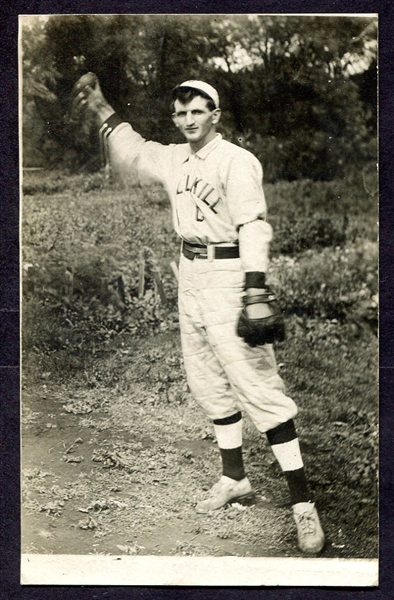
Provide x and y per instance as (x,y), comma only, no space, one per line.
(207,149)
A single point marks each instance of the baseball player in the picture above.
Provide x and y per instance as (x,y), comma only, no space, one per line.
(229,317)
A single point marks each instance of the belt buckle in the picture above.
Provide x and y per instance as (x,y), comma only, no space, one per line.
(200,253)
(210,252)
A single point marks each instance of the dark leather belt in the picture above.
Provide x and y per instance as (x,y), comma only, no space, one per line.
(192,251)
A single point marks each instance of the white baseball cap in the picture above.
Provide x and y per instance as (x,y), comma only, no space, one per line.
(203,87)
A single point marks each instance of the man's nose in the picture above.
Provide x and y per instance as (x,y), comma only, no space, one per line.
(189,118)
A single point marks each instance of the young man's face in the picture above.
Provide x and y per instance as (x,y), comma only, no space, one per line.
(196,121)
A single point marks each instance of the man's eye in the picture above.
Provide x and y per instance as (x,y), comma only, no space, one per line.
(181,114)
(197,112)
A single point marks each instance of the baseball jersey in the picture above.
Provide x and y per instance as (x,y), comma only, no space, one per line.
(215,193)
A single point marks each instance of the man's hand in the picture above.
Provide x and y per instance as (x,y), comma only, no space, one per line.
(261,320)
(87,95)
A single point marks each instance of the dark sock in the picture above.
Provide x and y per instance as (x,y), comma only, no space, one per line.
(298,486)
(296,479)
(232,463)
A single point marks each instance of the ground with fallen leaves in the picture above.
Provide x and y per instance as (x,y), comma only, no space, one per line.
(118,469)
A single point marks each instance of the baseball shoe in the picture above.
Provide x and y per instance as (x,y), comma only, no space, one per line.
(311,538)
(224,491)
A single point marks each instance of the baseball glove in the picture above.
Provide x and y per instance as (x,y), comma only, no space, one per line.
(82,90)
(257,332)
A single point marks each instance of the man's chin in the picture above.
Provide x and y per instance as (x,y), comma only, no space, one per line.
(191,133)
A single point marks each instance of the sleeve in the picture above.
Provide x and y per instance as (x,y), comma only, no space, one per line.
(254,242)
(248,209)
(129,154)
(244,189)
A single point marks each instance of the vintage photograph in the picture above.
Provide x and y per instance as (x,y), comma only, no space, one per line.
(199,265)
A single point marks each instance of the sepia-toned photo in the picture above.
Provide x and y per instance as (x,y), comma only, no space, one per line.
(199,266)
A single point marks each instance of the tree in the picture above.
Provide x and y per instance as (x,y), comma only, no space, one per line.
(299,102)
(288,84)
(38,90)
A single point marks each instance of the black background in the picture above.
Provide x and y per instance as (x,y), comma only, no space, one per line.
(10,587)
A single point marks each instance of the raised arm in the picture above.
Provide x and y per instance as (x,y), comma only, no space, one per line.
(87,95)
(125,149)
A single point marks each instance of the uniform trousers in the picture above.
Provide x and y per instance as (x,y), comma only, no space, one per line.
(224,374)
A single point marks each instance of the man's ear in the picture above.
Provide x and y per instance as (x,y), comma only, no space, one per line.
(217,113)
(173,116)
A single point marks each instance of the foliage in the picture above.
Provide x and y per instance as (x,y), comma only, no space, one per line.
(291,86)
(82,237)
(309,214)
(336,283)
(330,369)
(54,182)
(298,233)
(291,108)
(354,195)
(81,249)
(38,93)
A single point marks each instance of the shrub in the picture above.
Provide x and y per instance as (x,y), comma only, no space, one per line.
(310,154)
(47,183)
(81,262)
(296,234)
(313,214)
(353,195)
(338,283)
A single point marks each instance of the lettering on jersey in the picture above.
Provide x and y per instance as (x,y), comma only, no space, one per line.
(199,215)
(204,191)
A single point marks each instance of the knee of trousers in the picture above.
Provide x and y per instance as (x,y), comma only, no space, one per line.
(210,387)
(261,392)
(218,407)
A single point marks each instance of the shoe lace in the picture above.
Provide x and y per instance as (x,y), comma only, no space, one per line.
(307,523)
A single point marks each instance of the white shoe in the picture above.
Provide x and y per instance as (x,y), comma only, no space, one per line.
(225,491)
(311,538)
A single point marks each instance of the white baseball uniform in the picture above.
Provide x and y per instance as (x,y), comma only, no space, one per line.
(217,200)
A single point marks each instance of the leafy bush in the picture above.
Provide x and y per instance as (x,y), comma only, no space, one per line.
(355,195)
(296,234)
(311,214)
(311,153)
(338,283)
(42,182)
(330,369)
(81,257)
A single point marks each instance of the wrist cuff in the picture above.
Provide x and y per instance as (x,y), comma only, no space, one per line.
(255,279)
(110,124)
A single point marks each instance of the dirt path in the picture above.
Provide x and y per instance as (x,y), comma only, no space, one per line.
(118,470)
(90,487)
